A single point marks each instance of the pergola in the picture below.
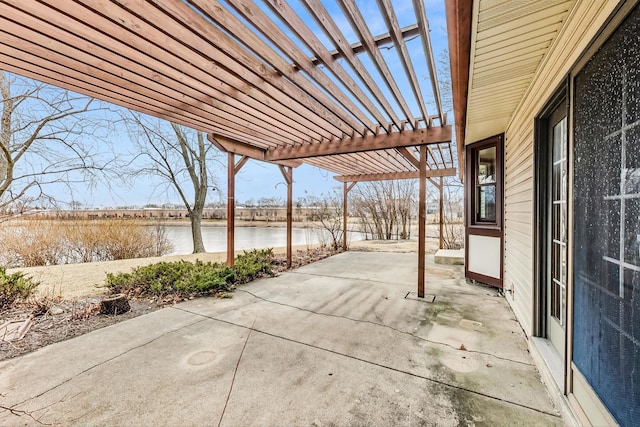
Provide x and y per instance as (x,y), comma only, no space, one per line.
(280,82)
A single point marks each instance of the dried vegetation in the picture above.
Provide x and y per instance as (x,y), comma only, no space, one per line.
(35,242)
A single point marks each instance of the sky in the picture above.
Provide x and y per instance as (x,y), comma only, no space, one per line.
(258,179)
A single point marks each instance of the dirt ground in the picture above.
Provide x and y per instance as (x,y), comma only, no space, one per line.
(70,295)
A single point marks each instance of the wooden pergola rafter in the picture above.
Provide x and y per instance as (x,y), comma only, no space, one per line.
(256,76)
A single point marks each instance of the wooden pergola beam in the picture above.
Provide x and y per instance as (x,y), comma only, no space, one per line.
(333,31)
(441,216)
(358,23)
(231,208)
(395,175)
(345,207)
(459,22)
(287,174)
(404,151)
(228,146)
(422,219)
(408,138)
(241,163)
(307,35)
(390,18)
(440,186)
(421,17)
(217,13)
(377,41)
(60,39)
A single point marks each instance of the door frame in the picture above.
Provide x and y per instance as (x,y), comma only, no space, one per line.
(542,222)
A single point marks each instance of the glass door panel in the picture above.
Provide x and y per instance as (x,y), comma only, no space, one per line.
(557,279)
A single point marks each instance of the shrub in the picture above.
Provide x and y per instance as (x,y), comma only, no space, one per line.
(252,264)
(170,277)
(184,278)
(14,287)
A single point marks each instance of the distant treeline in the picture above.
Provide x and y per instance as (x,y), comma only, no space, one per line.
(246,213)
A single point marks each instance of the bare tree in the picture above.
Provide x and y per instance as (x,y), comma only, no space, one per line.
(453,226)
(405,197)
(178,156)
(48,137)
(326,210)
(385,208)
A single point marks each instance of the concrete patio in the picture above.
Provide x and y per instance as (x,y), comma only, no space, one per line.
(339,342)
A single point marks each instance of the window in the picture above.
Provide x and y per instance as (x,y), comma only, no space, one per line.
(606,323)
(486,185)
(485,178)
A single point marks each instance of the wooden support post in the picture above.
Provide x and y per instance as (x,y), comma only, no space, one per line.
(345,209)
(441,188)
(422,219)
(287,173)
(231,208)
(289,214)
(344,216)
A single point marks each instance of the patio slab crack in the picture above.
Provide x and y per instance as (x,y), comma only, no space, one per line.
(506,359)
(13,408)
(380,365)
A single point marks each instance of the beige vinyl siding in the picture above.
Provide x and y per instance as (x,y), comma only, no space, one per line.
(518,208)
(581,26)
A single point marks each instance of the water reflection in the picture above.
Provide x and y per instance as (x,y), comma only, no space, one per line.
(215,238)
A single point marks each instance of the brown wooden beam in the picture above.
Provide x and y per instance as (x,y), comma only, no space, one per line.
(434,182)
(404,151)
(236,147)
(227,145)
(421,17)
(231,208)
(287,173)
(333,31)
(441,222)
(240,164)
(60,33)
(390,18)
(219,14)
(354,16)
(347,187)
(408,138)
(289,215)
(379,40)
(422,218)
(459,22)
(395,175)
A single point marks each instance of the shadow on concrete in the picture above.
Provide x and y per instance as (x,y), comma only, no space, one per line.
(338,342)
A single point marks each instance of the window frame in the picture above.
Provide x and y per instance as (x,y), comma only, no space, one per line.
(472,173)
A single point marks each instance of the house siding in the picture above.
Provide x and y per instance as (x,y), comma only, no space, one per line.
(518,207)
(580,28)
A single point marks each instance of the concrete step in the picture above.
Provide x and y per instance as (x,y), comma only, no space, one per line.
(450,256)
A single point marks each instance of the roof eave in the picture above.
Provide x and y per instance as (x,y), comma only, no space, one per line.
(459,18)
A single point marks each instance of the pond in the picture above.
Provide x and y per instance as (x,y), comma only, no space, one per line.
(215,238)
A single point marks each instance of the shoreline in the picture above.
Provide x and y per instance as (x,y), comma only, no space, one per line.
(82,280)
(222,223)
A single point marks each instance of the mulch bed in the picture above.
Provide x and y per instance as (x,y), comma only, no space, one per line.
(59,320)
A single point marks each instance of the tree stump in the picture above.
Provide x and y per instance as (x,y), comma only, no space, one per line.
(116,304)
